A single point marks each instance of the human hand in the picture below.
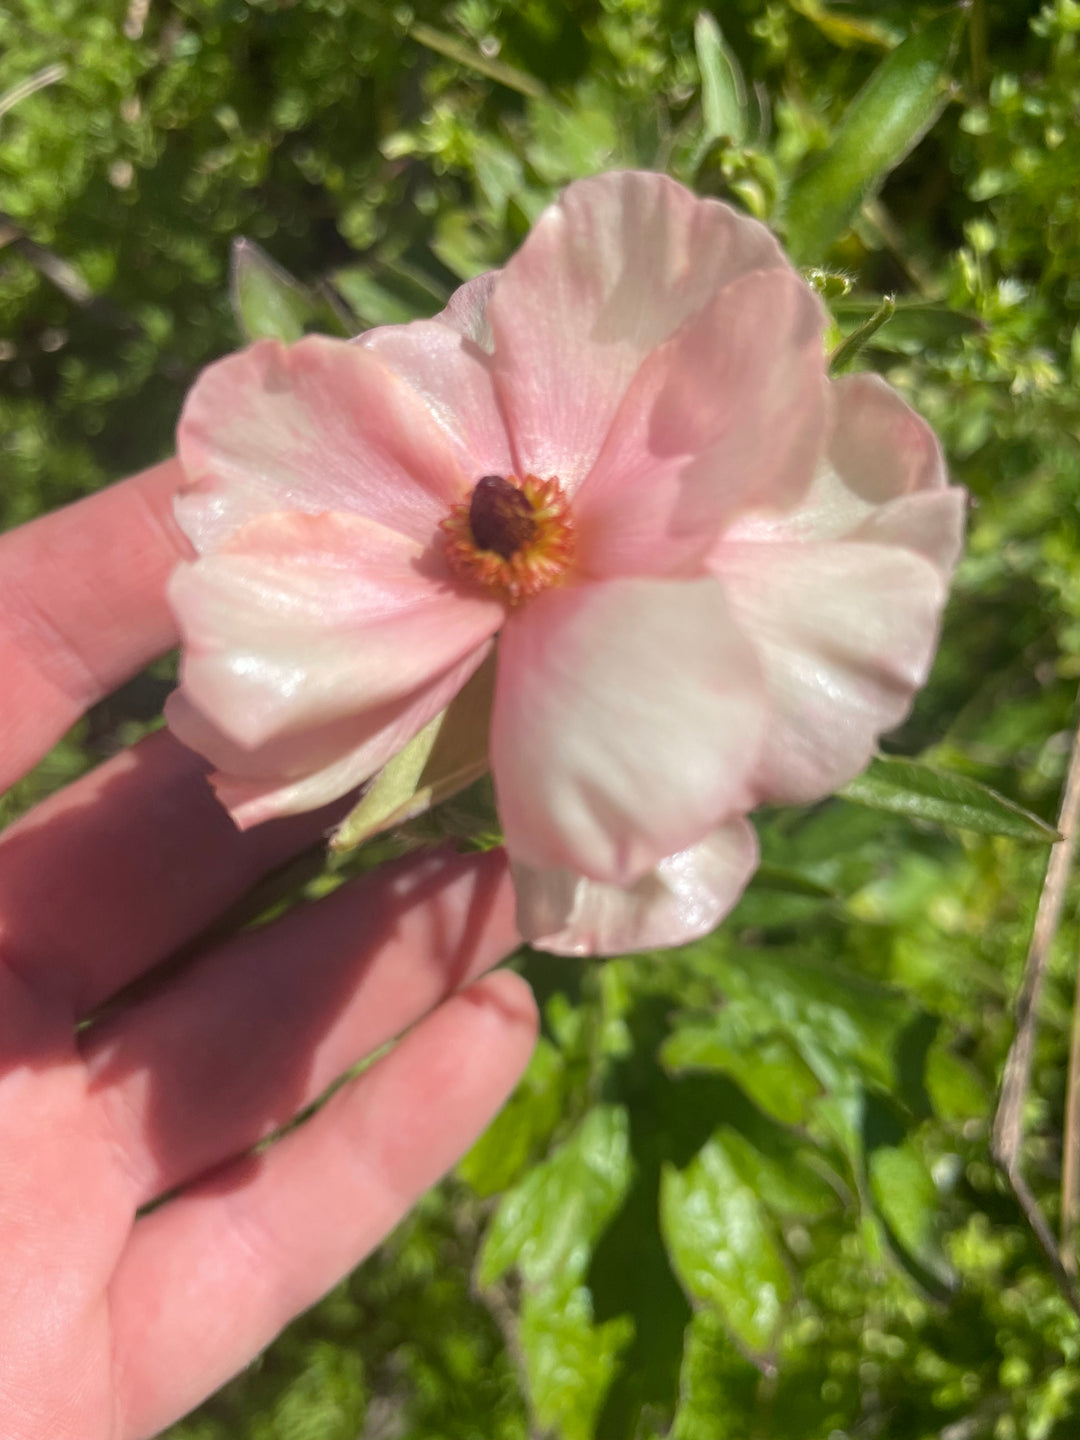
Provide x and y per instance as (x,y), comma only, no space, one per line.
(112,1323)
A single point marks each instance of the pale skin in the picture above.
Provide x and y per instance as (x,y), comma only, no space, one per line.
(115,1323)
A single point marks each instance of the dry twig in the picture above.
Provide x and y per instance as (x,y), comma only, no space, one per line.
(1008,1132)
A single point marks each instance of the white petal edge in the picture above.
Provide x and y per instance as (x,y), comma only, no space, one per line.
(685,897)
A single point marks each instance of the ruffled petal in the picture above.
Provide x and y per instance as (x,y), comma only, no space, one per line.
(303,772)
(686,896)
(731,413)
(453,378)
(320,425)
(607,273)
(845,633)
(626,725)
(303,619)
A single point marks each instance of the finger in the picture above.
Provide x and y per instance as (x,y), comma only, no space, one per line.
(82,608)
(210,1278)
(117,871)
(255,1031)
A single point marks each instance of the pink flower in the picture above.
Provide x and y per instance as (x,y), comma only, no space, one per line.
(715,576)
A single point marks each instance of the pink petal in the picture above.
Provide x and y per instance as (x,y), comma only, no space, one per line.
(303,619)
(303,772)
(883,480)
(626,725)
(731,412)
(319,425)
(880,447)
(466,310)
(845,633)
(686,896)
(453,378)
(607,273)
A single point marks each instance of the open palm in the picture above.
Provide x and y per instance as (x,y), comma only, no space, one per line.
(115,1320)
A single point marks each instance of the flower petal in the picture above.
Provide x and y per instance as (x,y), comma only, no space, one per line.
(466,310)
(731,412)
(607,273)
(883,480)
(303,619)
(302,772)
(453,377)
(685,897)
(319,425)
(626,725)
(845,633)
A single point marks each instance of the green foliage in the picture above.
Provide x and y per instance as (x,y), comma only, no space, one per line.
(745,1189)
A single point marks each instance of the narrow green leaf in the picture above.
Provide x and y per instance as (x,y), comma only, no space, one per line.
(462,53)
(723,91)
(845,30)
(267,302)
(907,787)
(722,1246)
(888,117)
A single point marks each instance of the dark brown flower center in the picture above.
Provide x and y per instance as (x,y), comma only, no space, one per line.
(501,516)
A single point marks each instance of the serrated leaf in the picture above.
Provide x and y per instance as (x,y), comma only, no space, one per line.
(723,91)
(722,1246)
(908,787)
(887,118)
(267,302)
(547,1225)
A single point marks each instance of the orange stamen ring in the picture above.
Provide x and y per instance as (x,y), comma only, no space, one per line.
(515,537)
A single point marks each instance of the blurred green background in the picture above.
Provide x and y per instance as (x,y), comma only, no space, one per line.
(746,1189)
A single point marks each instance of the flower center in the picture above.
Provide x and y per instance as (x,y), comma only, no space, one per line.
(515,537)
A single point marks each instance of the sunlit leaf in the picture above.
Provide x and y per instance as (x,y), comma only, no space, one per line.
(547,1225)
(723,91)
(888,117)
(268,303)
(722,1246)
(906,787)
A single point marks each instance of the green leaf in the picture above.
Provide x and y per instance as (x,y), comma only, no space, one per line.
(267,302)
(845,30)
(547,1225)
(907,1200)
(569,1361)
(767,1067)
(462,53)
(888,117)
(718,1387)
(521,1127)
(723,92)
(907,787)
(449,754)
(722,1246)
